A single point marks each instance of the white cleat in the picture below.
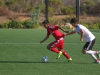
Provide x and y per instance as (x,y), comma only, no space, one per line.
(97,62)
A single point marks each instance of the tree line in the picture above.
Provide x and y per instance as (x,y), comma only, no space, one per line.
(66,7)
(55,6)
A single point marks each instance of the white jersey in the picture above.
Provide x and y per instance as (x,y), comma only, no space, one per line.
(88,36)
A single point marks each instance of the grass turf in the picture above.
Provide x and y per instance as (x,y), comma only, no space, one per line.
(21,53)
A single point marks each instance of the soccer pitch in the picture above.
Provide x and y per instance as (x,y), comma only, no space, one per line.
(21,53)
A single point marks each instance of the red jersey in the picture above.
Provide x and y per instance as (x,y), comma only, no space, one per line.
(53,30)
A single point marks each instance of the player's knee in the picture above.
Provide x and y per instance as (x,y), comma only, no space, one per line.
(48,47)
(61,50)
(84,51)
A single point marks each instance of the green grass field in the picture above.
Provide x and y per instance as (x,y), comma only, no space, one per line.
(21,53)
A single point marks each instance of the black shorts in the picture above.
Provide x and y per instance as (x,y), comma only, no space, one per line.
(89,45)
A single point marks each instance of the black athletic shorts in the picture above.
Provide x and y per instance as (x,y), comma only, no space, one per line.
(89,45)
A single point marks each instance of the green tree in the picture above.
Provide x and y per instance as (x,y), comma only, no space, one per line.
(68,9)
(9,3)
(87,6)
(56,5)
(50,9)
(1,3)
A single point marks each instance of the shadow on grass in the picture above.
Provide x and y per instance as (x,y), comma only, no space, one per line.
(19,62)
(27,62)
(46,62)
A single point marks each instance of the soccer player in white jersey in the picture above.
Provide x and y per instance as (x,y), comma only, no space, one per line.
(86,35)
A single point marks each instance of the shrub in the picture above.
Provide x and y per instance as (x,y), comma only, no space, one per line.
(5,25)
(56,21)
(30,24)
(68,9)
(99,25)
(42,8)
(86,25)
(94,26)
(51,11)
(14,24)
(26,24)
(1,26)
(87,6)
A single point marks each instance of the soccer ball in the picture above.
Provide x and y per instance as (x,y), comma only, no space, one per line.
(44,59)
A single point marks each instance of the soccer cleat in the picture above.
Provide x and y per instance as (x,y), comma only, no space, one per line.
(98,54)
(97,61)
(69,59)
(59,54)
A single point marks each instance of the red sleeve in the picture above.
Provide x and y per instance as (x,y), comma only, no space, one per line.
(56,27)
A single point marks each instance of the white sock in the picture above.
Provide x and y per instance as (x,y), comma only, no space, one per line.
(94,57)
(91,52)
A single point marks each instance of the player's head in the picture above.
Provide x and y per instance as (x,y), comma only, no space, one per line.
(45,23)
(74,22)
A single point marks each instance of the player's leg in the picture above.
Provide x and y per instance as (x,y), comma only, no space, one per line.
(87,49)
(67,56)
(64,53)
(96,52)
(60,47)
(92,54)
(59,54)
(52,47)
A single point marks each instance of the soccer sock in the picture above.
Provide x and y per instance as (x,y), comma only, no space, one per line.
(66,55)
(54,50)
(94,57)
(91,52)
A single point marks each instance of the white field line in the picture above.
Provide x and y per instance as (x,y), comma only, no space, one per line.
(19,43)
(35,43)
(73,43)
(42,43)
(96,32)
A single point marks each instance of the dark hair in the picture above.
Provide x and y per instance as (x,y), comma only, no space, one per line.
(73,20)
(45,22)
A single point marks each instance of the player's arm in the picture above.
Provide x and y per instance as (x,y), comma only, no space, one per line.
(63,29)
(44,39)
(82,34)
(70,33)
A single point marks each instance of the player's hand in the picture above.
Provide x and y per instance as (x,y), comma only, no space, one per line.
(66,31)
(41,42)
(65,35)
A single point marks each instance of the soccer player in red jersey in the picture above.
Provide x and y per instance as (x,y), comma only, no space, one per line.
(57,45)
